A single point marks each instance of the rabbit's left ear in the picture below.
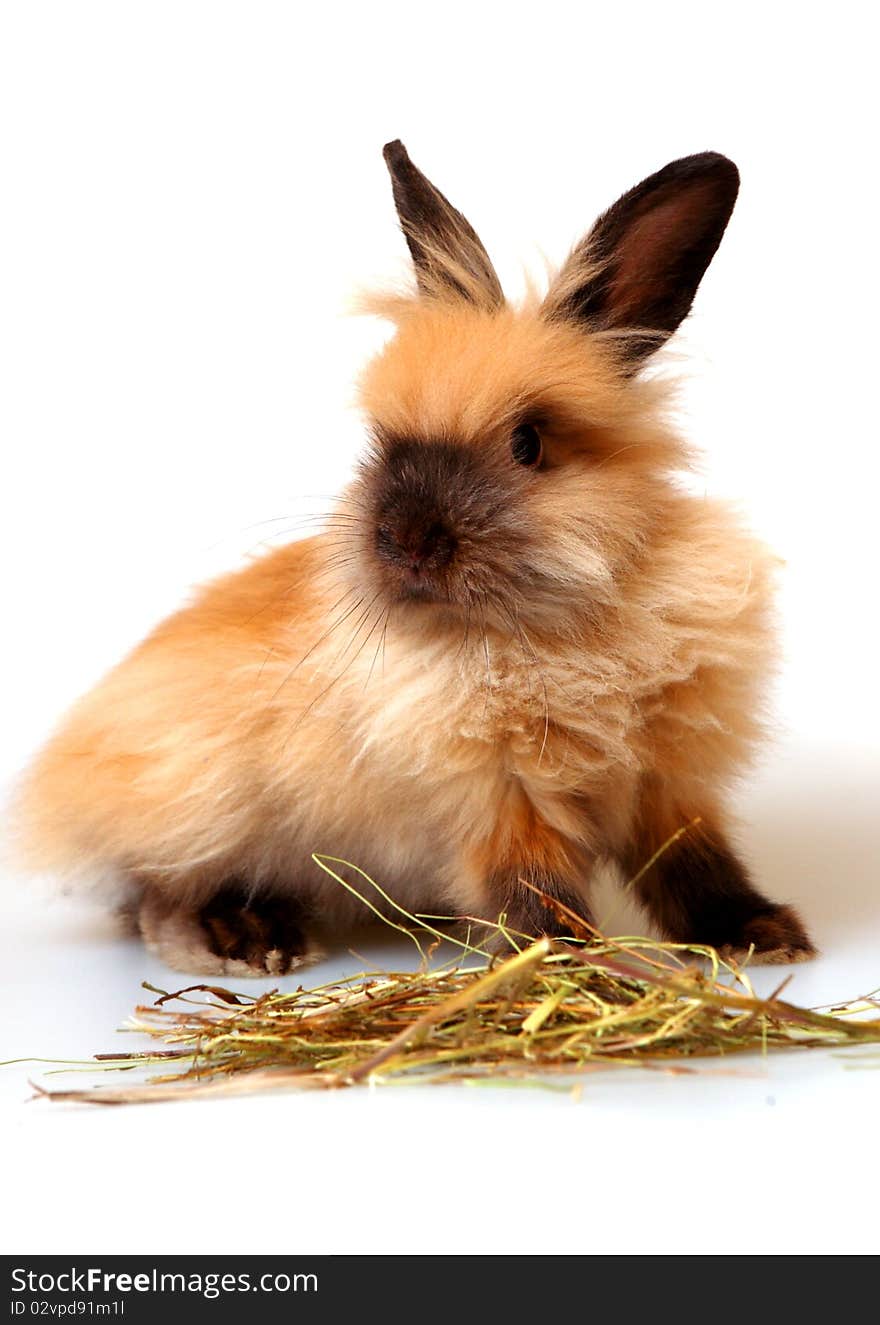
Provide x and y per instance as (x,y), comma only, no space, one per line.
(637,271)
(447,253)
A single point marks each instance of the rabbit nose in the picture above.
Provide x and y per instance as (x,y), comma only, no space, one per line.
(417,546)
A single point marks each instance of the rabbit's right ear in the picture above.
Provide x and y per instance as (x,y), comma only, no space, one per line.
(636,273)
(448,256)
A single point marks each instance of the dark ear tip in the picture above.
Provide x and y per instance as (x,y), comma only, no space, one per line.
(721,167)
(395,153)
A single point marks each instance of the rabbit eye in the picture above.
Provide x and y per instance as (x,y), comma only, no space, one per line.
(525,445)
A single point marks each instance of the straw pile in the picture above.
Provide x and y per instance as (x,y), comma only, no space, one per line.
(543,1011)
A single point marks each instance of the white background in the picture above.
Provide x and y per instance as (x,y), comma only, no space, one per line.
(191,194)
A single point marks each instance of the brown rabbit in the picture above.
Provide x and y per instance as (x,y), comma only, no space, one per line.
(518,649)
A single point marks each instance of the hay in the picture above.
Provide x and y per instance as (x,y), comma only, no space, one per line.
(542,1011)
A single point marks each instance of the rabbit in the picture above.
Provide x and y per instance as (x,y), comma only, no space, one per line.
(518,650)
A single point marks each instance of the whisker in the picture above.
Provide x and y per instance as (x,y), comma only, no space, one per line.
(292,522)
(270,602)
(336,679)
(344,540)
(462,648)
(384,638)
(333,497)
(327,633)
(334,563)
(379,646)
(357,626)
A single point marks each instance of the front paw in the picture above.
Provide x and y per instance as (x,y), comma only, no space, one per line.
(775,937)
(232,934)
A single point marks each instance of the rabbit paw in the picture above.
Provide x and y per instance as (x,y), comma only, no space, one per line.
(777,937)
(231,934)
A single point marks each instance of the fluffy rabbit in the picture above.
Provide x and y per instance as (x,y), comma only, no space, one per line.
(519,647)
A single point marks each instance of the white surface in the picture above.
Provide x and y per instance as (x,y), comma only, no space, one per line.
(192,191)
(749,1155)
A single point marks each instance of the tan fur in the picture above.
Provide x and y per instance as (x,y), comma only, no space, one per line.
(212,746)
(261,724)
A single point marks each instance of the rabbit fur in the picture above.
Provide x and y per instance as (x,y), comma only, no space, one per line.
(519,647)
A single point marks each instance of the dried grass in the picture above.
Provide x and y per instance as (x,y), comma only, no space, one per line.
(543,1011)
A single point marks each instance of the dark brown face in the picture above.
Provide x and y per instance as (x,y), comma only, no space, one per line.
(443,522)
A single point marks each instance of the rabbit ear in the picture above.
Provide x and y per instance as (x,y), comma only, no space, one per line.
(638,269)
(445,249)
